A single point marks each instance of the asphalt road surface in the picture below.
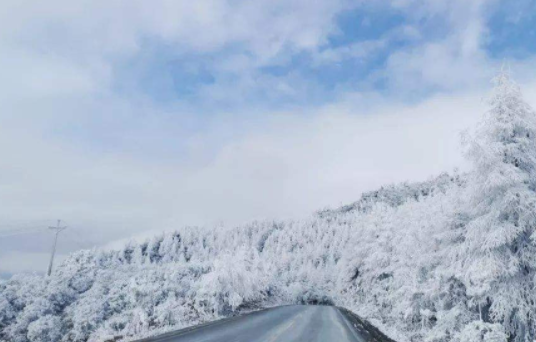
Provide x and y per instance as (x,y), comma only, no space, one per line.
(295,323)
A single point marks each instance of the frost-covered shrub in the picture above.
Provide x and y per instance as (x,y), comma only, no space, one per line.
(45,329)
(236,278)
(479,331)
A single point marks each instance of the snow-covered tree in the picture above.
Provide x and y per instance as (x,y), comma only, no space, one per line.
(497,258)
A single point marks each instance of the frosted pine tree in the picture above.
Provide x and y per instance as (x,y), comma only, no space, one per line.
(498,252)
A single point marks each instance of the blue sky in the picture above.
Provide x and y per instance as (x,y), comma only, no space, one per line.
(512,30)
(128,118)
(167,74)
(352,55)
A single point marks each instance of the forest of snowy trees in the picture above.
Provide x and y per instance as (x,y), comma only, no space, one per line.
(450,259)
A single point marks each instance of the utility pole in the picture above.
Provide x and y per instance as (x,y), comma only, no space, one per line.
(57,229)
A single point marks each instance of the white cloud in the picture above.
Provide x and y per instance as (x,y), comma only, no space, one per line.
(86,29)
(453,57)
(357,51)
(29,76)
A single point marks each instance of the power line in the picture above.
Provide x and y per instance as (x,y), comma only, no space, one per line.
(20,231)
(21,228)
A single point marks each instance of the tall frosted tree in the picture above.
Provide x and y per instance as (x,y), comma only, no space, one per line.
(498,252)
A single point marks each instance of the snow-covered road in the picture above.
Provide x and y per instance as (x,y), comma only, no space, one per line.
(282,324)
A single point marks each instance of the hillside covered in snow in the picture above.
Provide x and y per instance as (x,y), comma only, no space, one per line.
(449,259)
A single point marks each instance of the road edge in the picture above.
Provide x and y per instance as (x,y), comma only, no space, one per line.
(189,329)
(364,326)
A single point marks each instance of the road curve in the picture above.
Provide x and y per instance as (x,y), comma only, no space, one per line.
(293,323)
